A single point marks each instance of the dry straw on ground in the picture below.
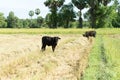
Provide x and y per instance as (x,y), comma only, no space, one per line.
(21,58)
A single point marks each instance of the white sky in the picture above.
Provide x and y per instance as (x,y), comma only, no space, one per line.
(21,8)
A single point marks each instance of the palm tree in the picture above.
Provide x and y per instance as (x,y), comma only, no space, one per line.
(80,4)
(37,11)
(53,6)
(31,13)
(67,14)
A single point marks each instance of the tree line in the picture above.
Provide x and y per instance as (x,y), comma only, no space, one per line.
(100,14)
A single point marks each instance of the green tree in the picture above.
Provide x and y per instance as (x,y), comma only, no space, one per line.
(94,10)
(26,23)
(3,23)
(12,20)
(116,20)
(106,14)
(48,20)
(60,19)
(34,24)
(18,23)
(53,6)
(80,4)
(67,14)
(39,21)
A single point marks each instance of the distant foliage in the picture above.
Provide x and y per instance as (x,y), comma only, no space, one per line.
(14,22)
(3,23)
(100,14)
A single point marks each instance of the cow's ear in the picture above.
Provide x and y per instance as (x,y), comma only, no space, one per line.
(83,35)
(59,38)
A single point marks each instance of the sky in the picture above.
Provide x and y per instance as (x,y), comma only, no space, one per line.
(21,8)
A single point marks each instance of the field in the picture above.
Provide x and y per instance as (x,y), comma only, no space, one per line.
(75,57)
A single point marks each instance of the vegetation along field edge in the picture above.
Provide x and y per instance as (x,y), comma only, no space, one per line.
(101,31)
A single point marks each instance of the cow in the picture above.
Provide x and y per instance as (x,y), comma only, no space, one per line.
(49,41)
(89,34)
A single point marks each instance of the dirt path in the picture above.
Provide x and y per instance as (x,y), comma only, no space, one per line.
(21,58)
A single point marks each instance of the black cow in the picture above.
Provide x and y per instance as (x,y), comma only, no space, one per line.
(90,34)
(49,41)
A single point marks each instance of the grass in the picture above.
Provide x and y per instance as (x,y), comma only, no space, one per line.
(100,31)
(104,59)
(41,31)
(108,31)
(113,55)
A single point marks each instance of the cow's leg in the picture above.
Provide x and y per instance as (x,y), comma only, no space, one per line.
(53,47)
(43,47)
(88,37)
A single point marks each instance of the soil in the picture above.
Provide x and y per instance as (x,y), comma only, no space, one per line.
(22,59)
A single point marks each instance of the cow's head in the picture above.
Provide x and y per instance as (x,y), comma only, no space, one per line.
(84,35)
(56,39)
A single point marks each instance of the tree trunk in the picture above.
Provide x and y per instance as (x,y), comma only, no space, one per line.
(93,18)
(80,21)
(93,23)
(54,18)
(67,24)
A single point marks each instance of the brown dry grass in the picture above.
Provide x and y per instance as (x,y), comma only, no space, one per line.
(21,58)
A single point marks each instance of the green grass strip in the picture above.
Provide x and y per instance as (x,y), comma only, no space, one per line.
(112,50)
(99,67)
(91,72)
